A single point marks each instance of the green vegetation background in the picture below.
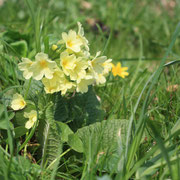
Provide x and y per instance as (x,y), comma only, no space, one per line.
(138,34)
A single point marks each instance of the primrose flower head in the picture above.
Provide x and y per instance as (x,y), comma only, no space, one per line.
(79,71)
(82,86)
(43,67)
(100,79)
(72,42)
(120,71)
(53,85)
(67,62)
(66,85)
(18,102)
(32,116)
(25,66)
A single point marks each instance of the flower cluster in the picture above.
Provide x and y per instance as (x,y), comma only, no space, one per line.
(74,70)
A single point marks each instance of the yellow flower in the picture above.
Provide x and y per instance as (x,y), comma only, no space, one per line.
(100,79)
(81,36)
(79,72)
(53,85)
(97,63)
(43,67)
(57,83)
(72,42)
(66,85)
(32,115)
(120,71)
(67,62)
(82,86)
(107,66)
(25,66)
(18,102)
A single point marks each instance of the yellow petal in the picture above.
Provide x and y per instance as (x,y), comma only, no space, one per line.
(29,124)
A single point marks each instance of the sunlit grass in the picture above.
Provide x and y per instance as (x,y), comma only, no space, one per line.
(143,36)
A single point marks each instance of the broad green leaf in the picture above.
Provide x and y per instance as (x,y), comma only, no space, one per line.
(102,136)
(61,109)
(85,109)
(11,36)
(20,131)
(81,110)
(75,142)
(20,47)
(15,43)
(65,131)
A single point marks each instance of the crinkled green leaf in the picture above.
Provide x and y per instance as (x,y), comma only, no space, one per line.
(61,109)
(52,143)
(102,136)
(81,110)
(85,109)
(75,142)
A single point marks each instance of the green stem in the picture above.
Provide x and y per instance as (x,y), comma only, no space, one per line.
(6,147)
(27,91)
(5,151)
(25,147)
(29,136)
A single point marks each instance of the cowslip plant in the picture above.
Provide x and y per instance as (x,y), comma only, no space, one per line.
(57,98)
(71,70)
(57,105)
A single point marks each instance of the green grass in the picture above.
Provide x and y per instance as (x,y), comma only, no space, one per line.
(134,131)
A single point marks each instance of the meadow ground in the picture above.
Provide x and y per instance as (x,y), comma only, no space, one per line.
(125,128)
